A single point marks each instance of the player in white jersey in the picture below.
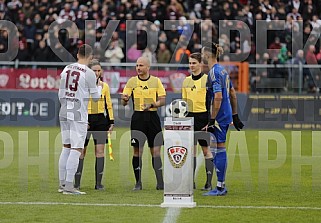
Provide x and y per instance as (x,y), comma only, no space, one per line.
(77,84)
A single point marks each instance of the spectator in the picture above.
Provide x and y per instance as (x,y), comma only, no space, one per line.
(310,56)
(314,83)
(67,13)
(176,7)
(308,10)
(296,4)
(114,53)
(195,43)
(182,54)
(27,9)
(163,54)
(316,25)
(38,23)
(29,30)
(283,55)
(295,73)
(82,15)
(23,53)
(196,14)
(41,53)
(162,38)
(115,38)
(294,14)
(148,54)
(13,8)
(133,53)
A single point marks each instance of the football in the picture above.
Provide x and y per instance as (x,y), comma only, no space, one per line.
(178,108)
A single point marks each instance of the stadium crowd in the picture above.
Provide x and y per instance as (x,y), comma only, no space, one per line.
(34,17)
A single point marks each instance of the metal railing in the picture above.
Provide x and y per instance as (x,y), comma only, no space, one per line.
(295,80)
(298,78)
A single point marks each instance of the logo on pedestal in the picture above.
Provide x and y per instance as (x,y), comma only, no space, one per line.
(177,156)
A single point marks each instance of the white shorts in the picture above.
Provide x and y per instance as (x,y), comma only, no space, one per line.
(73,133)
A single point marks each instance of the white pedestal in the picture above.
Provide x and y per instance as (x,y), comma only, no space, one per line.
(178,162)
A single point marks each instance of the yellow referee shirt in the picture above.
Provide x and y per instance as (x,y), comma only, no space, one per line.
(194,92)
(99,106)
(144,91)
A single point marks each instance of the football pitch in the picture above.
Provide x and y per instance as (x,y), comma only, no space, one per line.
(273,176)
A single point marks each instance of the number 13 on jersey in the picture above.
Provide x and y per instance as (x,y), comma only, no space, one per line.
(72,80)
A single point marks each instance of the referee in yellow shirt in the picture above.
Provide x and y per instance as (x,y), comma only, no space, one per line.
(147,93)
(100,122)
(194,92)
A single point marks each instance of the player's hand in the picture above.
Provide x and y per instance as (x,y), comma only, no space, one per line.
(210,126)
(111,127)
(100,83)
(237,122)
(125,97)
(146,107)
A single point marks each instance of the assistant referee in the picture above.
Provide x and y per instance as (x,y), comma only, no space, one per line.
(100,122)
(194,92)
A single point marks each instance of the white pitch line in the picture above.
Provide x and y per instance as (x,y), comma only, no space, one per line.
(260,207)
(173,213)
(158,206)
(78,204)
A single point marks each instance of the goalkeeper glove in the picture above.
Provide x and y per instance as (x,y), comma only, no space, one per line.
(210,125)
(237,122)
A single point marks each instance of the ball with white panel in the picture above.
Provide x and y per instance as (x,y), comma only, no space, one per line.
(178,108)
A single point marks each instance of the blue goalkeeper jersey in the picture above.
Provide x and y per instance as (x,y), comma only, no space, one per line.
(219,81)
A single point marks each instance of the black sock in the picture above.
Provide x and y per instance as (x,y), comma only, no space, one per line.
(194,169)
(100,162)
(79,172)
(157,165)
(137,167)
(220,188)
(209,166)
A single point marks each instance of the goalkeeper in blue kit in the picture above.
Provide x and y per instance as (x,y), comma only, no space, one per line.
(224,111)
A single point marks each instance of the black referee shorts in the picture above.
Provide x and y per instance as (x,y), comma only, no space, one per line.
(98,127)
(145,125)
(200,121)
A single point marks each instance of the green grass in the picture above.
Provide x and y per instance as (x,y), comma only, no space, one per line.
(259,174)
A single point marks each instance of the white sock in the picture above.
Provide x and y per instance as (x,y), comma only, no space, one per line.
(72,165)
(62,164)
(220,184)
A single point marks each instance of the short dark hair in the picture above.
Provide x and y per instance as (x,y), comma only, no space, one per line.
(94,62)
(196,56)
(85,51)
(214,48)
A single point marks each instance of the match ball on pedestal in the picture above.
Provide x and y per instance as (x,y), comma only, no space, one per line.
(178,108)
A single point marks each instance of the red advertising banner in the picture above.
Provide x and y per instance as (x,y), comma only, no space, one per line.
(29,79)
(48,79)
